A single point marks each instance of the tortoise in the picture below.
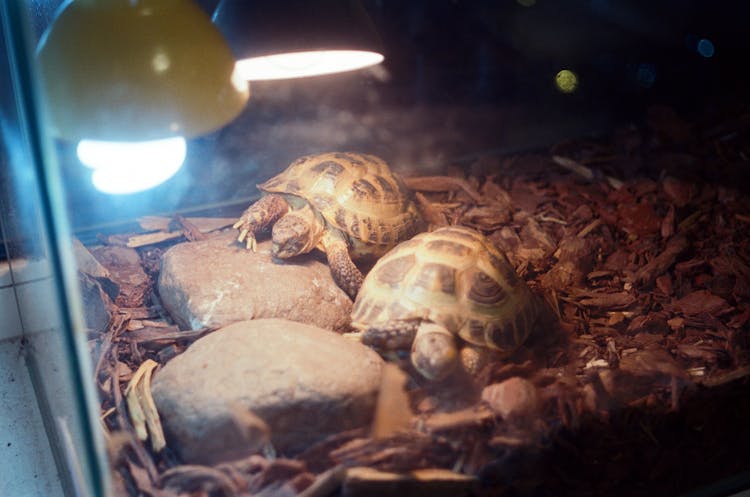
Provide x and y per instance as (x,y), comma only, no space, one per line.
(350,205)
(448,283)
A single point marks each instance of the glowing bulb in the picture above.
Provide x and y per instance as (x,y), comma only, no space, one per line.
(303,64)
(129,167)
(566,81)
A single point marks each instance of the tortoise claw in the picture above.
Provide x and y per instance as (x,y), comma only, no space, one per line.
(246,236)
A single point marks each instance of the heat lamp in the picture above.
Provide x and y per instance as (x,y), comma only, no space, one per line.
(129,81)
(280,39)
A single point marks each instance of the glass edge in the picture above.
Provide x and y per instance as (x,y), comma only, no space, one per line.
(15,25)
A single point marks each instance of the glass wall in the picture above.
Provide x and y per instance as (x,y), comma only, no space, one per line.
(37,248)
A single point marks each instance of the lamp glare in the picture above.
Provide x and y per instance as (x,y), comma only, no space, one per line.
(129,167)
(304,64)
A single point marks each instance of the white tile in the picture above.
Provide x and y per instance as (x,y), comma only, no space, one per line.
(10,323)
(30,269)
(23,270)
(54,370)
(28,468)
(5,279)
(39,311)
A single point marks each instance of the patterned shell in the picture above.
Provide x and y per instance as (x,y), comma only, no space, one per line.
(454,277)
(356,193)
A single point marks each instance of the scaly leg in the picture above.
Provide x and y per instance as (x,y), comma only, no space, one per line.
(260,216)
(391,336)
(475,357)
(344,272)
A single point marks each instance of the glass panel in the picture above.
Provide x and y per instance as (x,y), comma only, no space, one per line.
(35,243)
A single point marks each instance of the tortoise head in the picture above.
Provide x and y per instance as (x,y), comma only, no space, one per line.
(297,232)
(433,351)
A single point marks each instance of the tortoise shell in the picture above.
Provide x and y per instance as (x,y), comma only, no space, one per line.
(453,277)
(355,193)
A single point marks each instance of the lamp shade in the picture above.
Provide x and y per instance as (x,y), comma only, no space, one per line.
(137,70)
(293,38)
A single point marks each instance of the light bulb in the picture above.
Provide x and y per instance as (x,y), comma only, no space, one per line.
(303,64)
(129,167)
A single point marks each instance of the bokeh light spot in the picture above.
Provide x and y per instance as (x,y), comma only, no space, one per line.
(645,75)
(566,81)
(705,47)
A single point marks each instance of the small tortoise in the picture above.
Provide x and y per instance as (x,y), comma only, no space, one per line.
(439,285)
(349,205)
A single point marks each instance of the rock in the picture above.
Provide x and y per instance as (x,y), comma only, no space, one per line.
(304,382)
(89,266)
(86,262)
(97,306)
(126,271)
(218,281)
(515,398)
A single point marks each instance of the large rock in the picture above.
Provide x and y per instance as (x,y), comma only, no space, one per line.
(218,281)
(306,383)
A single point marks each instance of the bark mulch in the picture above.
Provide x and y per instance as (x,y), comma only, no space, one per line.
(637,241)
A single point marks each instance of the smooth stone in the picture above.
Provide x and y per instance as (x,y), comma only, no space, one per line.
(514,398)
(217,281)
(304,382)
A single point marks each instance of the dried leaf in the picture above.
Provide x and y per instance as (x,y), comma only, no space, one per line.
(141,406)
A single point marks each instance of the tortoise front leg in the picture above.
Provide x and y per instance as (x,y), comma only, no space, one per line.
(475,357)
(260,216)
(344,272)
(396,335)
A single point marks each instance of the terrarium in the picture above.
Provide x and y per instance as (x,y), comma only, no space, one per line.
(382,248)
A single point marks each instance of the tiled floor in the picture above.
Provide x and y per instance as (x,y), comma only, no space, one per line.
(27,468)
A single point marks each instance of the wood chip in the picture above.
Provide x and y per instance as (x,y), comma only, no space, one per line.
(458,419)
(204,224)
(700,302)
(674,248)
(442,184)
(435,482)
